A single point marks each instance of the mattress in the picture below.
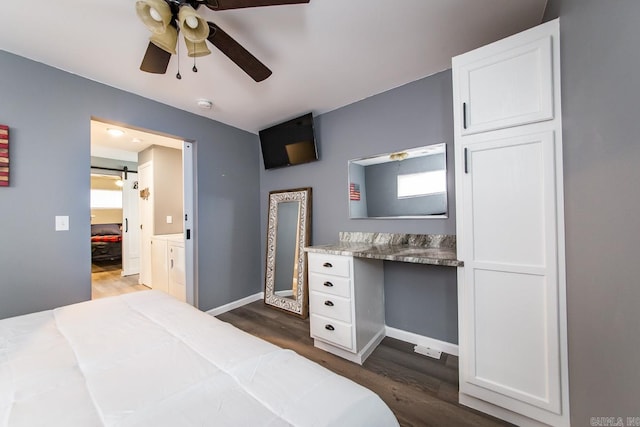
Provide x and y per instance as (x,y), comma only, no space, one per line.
(146,359)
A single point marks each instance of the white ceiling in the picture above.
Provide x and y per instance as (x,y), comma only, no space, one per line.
(126,146)
(324,55)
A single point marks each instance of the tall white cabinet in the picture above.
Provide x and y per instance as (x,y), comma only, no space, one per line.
(510,228)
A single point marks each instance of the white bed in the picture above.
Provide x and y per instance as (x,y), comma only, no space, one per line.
(146,359)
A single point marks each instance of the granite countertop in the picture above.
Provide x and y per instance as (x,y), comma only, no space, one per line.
(434,249)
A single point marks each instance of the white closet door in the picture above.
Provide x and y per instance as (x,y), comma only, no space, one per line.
(487,80)
(511,270)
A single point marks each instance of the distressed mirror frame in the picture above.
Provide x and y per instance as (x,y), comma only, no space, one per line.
(300,305)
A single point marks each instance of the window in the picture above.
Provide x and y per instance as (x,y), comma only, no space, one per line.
(106,199)
(422,184)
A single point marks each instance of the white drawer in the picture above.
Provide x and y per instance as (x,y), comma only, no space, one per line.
(336,265)
(333,285)
(330,306)
(331,331)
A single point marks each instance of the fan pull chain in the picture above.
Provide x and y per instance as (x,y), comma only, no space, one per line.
(178,76)
(195,69)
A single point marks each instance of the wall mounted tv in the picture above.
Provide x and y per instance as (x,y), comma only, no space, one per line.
(289,143)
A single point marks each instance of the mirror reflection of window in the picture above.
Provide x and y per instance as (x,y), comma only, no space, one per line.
(422,184)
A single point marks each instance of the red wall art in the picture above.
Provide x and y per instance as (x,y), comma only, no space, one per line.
(4,156)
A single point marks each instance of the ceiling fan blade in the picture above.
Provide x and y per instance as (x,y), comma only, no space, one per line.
(239,4)
(155,60)
(238,54)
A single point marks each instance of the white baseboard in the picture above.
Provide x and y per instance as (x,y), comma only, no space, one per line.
(235,304)
(399,334)
(421,340)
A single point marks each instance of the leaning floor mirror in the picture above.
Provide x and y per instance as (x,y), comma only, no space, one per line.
(288,232)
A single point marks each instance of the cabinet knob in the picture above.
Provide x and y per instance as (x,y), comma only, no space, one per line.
(329,327)
(327,264)
(328,303)
(328,284)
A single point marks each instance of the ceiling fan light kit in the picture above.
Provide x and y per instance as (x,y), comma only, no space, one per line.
(195,31)
(166,41)
(154,14)
(164,18)
(196,50)
(193,27)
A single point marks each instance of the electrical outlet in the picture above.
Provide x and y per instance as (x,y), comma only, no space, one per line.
(169,219)
(426,351)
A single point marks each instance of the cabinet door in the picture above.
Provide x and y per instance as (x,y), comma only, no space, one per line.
(159,265)
(510,307)
(508,83)
(176,272)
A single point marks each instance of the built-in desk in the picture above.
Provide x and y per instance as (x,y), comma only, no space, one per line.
(435,249)
(346,285)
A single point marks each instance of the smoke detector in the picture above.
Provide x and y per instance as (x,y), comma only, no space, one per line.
(205,104)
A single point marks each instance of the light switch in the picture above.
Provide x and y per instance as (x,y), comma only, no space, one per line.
(169,219)
(62,223)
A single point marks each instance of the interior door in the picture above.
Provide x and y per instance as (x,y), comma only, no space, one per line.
(145,200)
(130,225)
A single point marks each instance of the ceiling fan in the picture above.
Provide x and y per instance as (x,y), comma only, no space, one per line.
(165,18)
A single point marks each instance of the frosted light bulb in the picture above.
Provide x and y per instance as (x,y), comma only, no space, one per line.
(155,15)
(192,22)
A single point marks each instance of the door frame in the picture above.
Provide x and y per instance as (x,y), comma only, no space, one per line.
(189,198)
(144,277)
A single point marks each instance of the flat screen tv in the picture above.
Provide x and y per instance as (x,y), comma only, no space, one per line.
(289,143)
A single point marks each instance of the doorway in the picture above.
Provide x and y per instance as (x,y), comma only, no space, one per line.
(114,247)
(152,206)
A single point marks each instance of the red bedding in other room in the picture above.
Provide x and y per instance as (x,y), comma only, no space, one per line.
(106,238)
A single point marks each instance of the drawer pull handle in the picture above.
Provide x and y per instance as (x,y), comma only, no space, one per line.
(328,303)
(327,264)
(329,327)
(328,284)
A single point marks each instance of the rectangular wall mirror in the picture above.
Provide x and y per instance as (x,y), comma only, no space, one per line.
(288,232)
(410,183)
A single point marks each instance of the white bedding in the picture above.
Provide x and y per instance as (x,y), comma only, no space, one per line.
(146,359)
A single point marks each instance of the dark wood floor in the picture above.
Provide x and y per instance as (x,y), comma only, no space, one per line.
(421,391)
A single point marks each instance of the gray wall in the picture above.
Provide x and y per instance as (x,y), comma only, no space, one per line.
(167,186)
(49,112)
(600,93)
(420,299)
